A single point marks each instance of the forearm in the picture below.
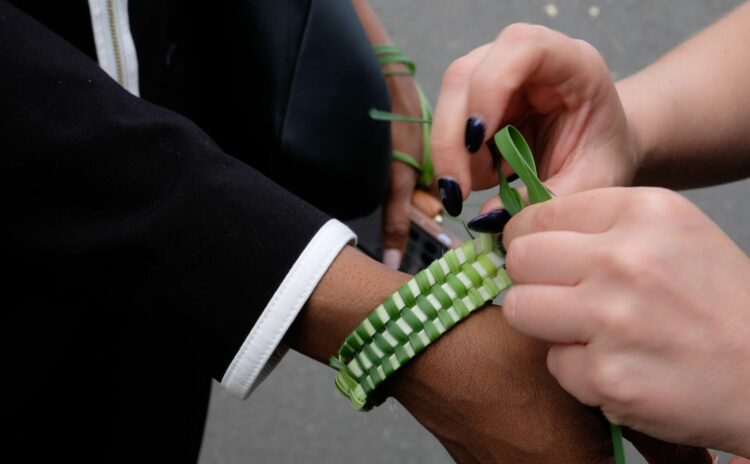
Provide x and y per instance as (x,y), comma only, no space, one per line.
(689,111)
(403,92)
(482,389)
(374,29)
(352,287)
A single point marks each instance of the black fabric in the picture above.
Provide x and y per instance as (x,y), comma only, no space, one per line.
(69,19)
(166,35)
(139,257)
(283,85)
(286,85)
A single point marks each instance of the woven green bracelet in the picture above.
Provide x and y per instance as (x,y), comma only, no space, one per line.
(440,296)
(417,314)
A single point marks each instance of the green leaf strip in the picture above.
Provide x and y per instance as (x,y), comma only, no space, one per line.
(387,116)
(390,53)
(517,154)
(439,296)
(513,147)
(405,158)
(416,315)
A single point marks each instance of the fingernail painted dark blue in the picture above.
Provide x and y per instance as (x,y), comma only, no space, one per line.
(450,194)
(474,136)
(492,222)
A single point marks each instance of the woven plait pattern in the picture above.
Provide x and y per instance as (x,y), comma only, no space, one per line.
(417,314)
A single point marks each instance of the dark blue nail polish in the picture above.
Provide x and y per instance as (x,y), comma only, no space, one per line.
(512,177)
(474,136)
(450,194)
(492,222)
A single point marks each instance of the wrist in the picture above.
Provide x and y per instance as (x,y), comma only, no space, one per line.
(638,124)
(651,116)
(352,286)
(739,429)
(432,388)
(485,386)
(396,72)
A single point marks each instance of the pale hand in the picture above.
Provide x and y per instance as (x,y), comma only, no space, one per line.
(647,303)
(557,91)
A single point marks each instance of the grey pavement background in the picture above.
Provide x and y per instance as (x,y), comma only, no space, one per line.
(296,416)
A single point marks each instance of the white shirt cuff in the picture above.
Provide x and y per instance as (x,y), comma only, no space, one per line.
(261,352)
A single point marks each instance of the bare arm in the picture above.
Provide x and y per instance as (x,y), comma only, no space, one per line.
(690,110)
(483,389)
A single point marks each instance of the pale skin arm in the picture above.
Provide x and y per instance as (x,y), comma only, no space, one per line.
(690,110)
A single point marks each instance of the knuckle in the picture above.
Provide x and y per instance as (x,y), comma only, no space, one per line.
(636,263)
(657,203)
(628,261)
(589,52)
(439,143)
(522,32)
(592,58)
(545,218)
(618,318)
(458,72)
(609,380)
(488,84)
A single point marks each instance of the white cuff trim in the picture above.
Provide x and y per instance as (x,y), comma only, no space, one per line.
(259,354)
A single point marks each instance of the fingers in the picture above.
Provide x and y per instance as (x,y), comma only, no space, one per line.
(554,258)
(527,70)
(550,68)
(569,365)
(547,312)
(592,211)
(396,214)
(450,157)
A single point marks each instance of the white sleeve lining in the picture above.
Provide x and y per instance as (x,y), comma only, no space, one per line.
(261,351)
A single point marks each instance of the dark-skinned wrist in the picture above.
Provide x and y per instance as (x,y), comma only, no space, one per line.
(353,286)
(482,389)
(494,383)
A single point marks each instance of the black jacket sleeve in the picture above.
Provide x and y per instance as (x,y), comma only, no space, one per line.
(140,254)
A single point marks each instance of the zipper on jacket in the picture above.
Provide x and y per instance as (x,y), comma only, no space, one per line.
(115,47)
(115,41)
